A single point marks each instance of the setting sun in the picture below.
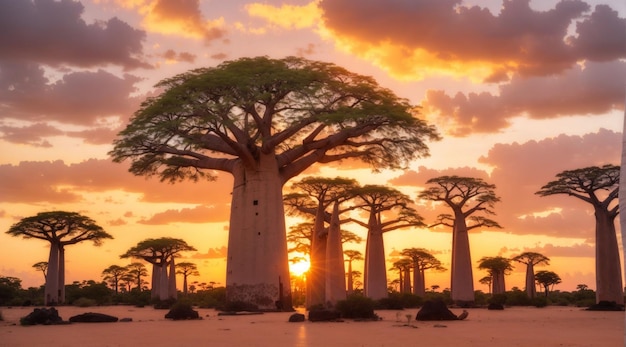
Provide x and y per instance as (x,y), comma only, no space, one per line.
(299,268)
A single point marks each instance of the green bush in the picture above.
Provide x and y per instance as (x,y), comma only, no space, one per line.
(518,298)
(498,299)
(357,306)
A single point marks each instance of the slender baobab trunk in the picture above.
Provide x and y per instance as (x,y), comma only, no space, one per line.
(622,193)
(419,286)
(608,269)
(257,270)
(156,280)
(171,288)
(163,282)
(61,282)
(406,278)
(375,266)
(335,268)
(530,280)
(462,282)
(497,278)
(51,290)
(316,280)
(350,278)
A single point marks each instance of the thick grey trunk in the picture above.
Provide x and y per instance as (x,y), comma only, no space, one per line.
(335,267)
(462,282)
(498,283)
(171,288)
(608,269)
(375,267)
(257,270)
(622,193)
(530,280)
(51,291)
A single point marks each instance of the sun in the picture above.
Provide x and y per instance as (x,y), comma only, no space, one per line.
(299,268)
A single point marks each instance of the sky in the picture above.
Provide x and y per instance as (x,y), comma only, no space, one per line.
(519,90)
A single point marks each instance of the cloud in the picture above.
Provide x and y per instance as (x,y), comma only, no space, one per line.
(592,89)
(33,135)
(213,253)
(53,33)
(414,39)
(81,98)
(286,16)
(520,170)
(579,250)
(172,56)
(198,214)
(57,182)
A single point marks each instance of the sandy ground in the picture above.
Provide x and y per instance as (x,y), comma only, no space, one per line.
(518,326)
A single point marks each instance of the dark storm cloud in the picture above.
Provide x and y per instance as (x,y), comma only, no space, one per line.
(53,33)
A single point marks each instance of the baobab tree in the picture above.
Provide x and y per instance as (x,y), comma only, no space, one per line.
(486,281)
(547,279)
(43,267)
(497,267)
(531,259)
(351,255)
(403,266)
(113,275)
(137,271)
(422,261)
(313,197)
(465,196)
(60,228)
(187,269)
(387,209)
(160,253)
(265,121)
(598,186)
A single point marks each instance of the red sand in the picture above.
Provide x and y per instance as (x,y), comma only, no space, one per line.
(516,326)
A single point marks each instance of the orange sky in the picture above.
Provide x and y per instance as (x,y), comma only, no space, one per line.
(520,90)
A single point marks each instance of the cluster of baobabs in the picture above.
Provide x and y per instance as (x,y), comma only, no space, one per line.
(326,279)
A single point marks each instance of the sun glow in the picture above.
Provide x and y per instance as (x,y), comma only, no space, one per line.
(299,268)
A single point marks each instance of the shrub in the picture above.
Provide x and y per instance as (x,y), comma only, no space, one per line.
(498,299)
(357,306)
(84,302)
(540,301)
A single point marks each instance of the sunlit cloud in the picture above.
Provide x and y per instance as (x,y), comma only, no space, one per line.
(286,16)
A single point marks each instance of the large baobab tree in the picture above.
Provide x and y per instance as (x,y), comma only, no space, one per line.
(113,275)
(547,279)
(422,261)
(265,121)
(531,259)
(187,269)
(387,209)
(497,267)
(160,253)
(60,228)
(598,186)
(465,196)
(351,255)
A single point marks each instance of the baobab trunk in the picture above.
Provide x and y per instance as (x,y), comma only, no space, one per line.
(51,290)
(163,282)
(171,288)
(497,279)
(406,280)
(622,193)
(350,278)
(608,269)
(156,280)
(419,285)
(61,282)
(375,267)
(316,279)
(257,270)
(530,280)
(462,282)
(335,268)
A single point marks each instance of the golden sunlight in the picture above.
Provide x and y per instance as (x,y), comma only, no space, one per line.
(300,267)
